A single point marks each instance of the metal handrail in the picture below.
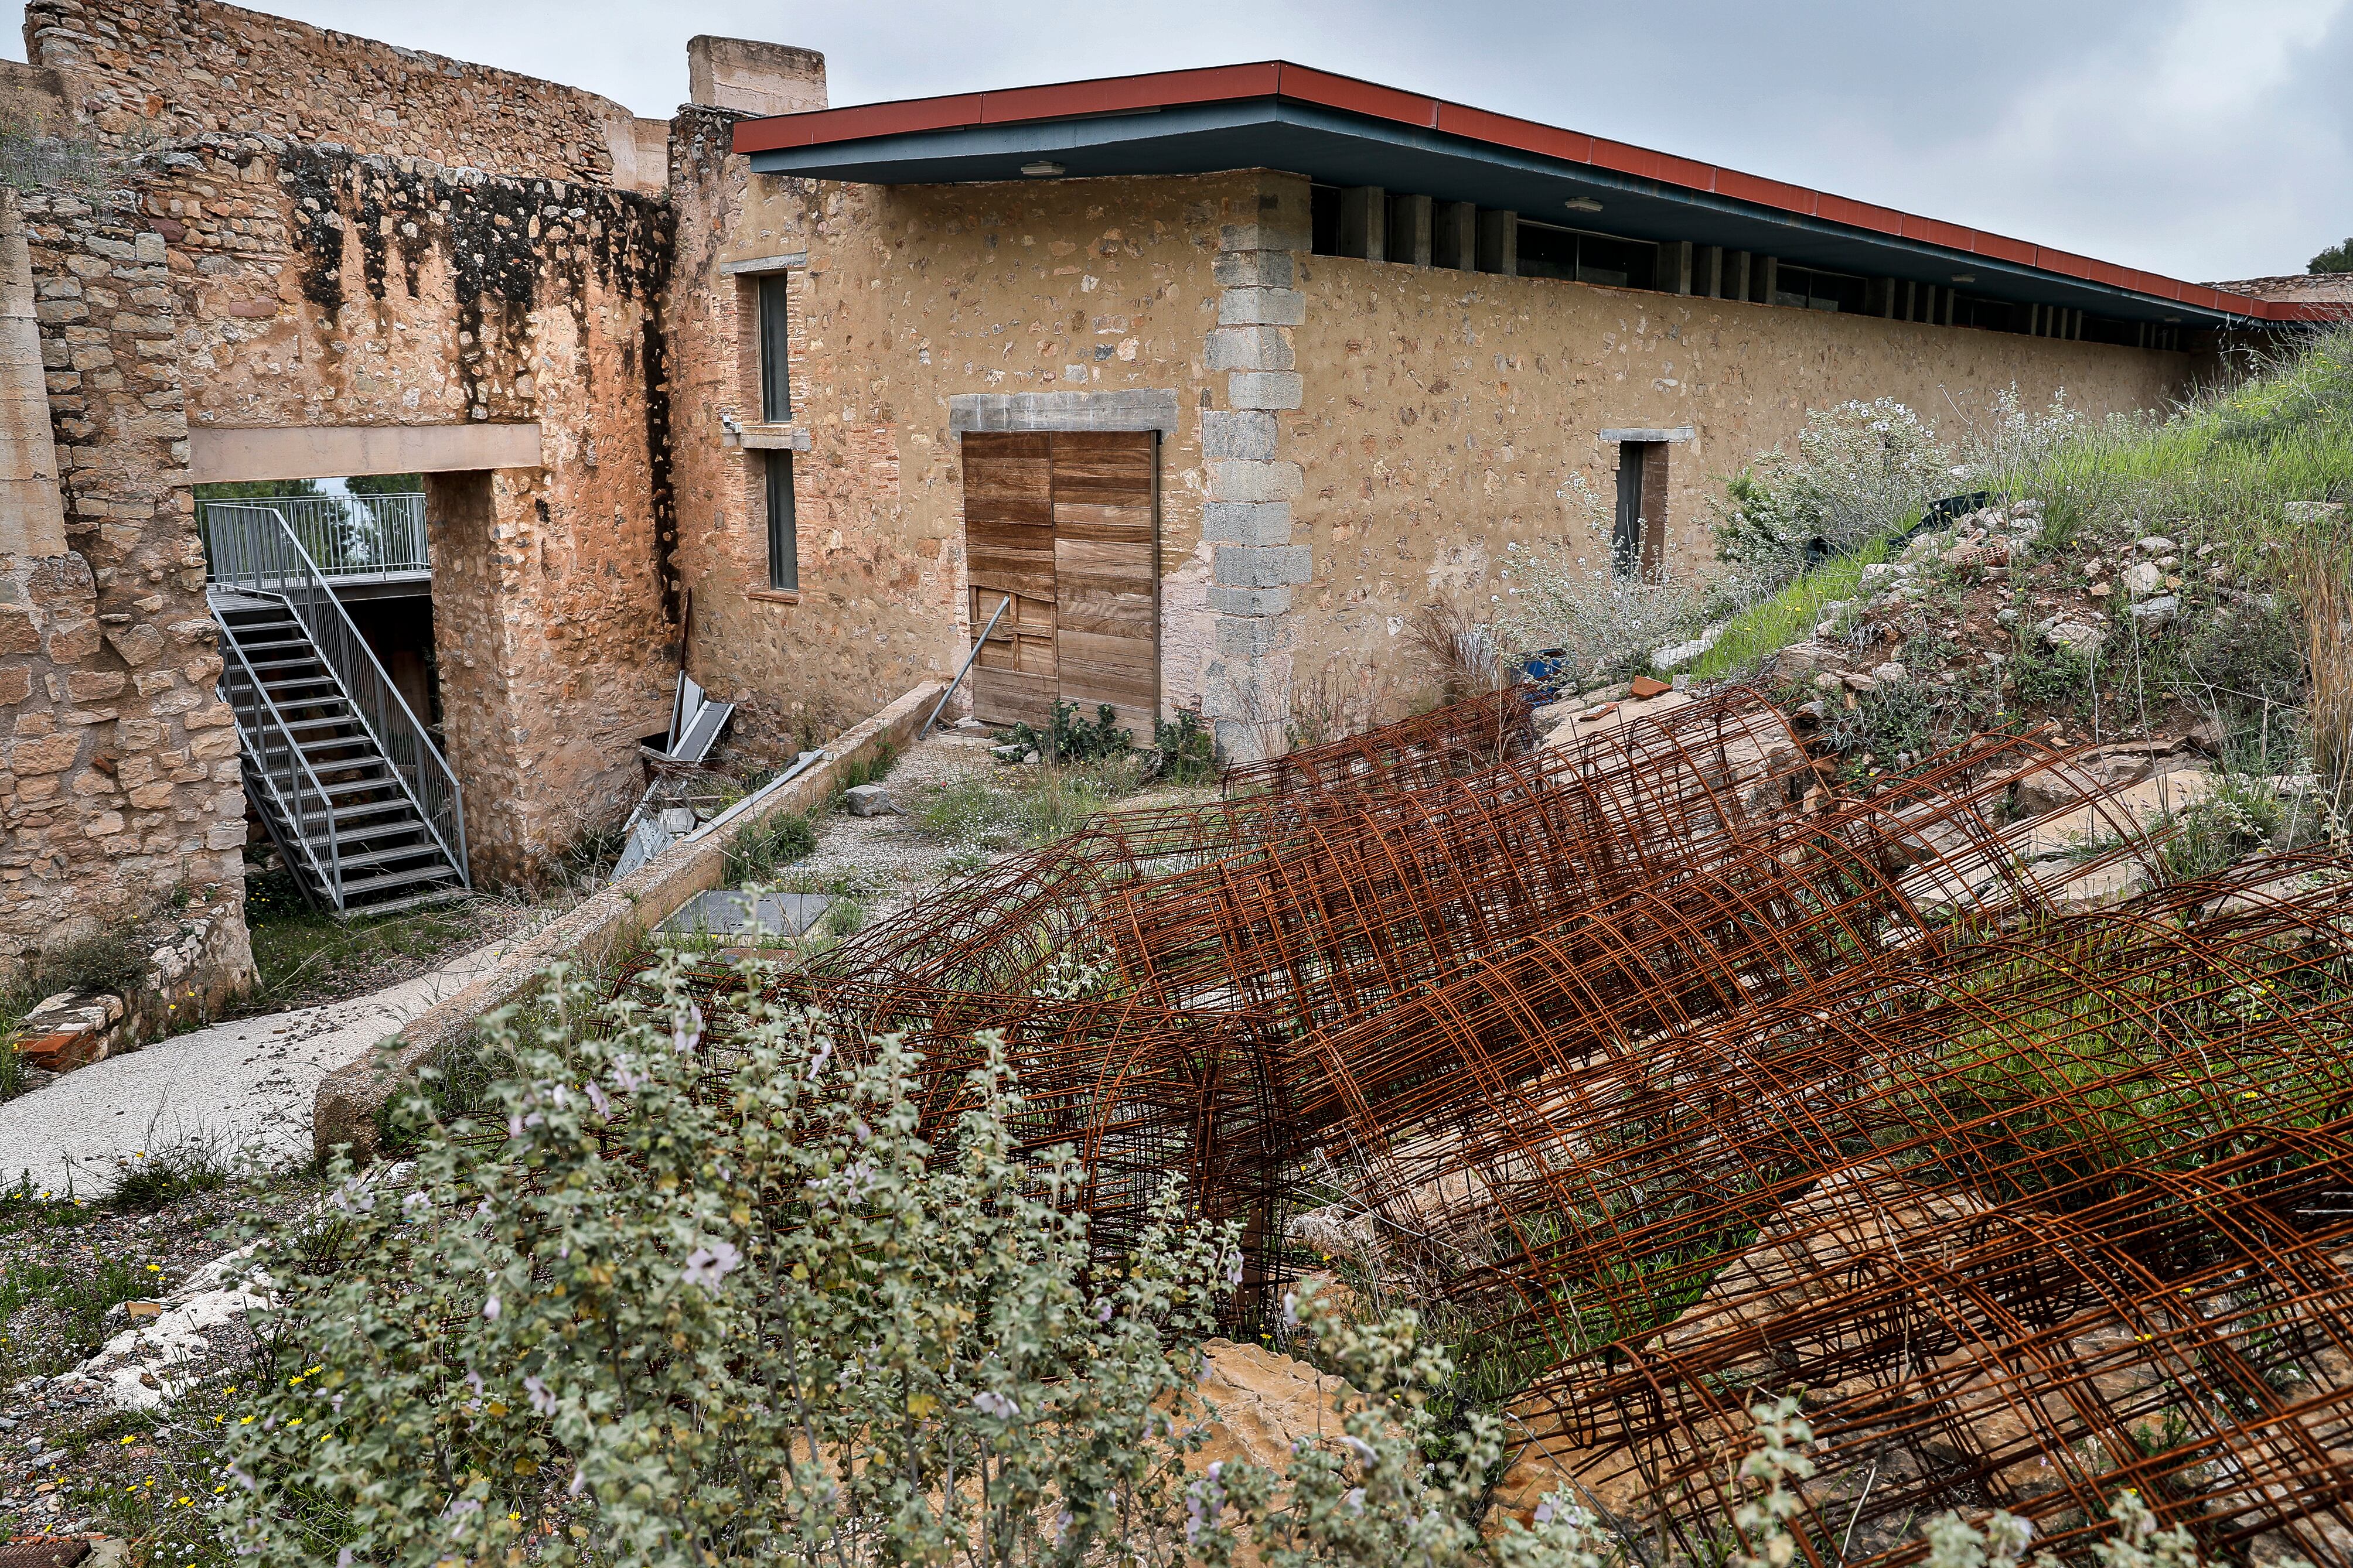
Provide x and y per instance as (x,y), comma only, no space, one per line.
(252,548)
(277,760)
(347,536)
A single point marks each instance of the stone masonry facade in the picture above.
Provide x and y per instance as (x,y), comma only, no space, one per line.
(1246,514)
(315,233)
(182,67)
(121,758)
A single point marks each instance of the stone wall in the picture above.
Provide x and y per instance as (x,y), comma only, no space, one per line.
(906,298)
(318,287)
(1448,417)
(184,66)
(120,797)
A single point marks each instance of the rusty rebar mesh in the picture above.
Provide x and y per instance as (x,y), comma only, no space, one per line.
(1259,892)
(1677,1228)
(1667,1076)
(1465,737)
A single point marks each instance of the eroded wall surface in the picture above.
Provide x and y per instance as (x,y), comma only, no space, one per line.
(119,797)
(318,287)
(907,298)
(1450,416)
(184,66)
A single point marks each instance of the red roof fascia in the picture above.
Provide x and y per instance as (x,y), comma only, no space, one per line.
(1326,90)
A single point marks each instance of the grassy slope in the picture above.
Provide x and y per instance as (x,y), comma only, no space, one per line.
(2221,470)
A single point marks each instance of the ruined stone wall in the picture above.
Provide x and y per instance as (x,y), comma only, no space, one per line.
(908,297)
(184,66)
(1445,415)
(119,797)
(317,288)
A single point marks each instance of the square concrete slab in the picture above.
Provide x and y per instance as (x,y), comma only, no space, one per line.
(722,911)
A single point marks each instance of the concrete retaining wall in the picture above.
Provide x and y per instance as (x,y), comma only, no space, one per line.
(608,924)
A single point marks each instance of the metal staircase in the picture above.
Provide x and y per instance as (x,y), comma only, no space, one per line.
(361,803)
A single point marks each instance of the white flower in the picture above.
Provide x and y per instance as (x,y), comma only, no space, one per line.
(1234,1266)
(1103,1310)
(541,1399)
(686,1032)
(707,1266)
(1356,1499)
(1356,1446)
(1291,1309)
(988,1402)
(597,1098)
(491,1309)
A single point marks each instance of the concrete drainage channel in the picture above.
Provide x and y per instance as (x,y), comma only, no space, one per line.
(681,880)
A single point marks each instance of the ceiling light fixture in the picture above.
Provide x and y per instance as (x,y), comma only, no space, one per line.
(1582,205)
(1965,277)
(1042,169)
(2172,321)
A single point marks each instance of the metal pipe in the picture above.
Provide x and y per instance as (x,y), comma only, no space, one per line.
(977,644)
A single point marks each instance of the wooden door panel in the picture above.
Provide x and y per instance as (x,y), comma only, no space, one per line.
(1106,577)
(1009,522)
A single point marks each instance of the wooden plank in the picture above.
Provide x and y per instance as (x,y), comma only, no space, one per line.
(1010,549)
(1106,577)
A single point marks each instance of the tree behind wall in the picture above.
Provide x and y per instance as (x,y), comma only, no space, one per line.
(2338,258)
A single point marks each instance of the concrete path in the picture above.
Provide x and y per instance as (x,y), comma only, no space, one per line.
(241,1086)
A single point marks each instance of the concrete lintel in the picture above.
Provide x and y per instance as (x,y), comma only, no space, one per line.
(1147,409)
(1680,433)
(792,261)
(773,438)
(338,451)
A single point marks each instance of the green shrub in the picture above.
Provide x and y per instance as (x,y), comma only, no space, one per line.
(1070,739)
(1859,469)
(1189,752)
(760,848)
(658,1325)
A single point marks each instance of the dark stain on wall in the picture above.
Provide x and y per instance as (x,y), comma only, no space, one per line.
(507,243)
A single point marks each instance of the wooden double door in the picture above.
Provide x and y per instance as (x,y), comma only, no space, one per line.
(1062,528)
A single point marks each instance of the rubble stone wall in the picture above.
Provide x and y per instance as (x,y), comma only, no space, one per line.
(907,298)
(186,67)
(1448,417)
(120,794)
(319,288)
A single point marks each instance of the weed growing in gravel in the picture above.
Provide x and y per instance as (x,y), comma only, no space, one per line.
(759,849)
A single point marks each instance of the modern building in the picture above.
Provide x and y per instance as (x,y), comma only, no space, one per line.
(1197,385)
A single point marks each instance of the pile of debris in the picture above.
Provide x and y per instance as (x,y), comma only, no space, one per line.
(1693,1077)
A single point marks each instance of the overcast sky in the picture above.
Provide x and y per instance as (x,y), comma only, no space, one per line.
(2205,139)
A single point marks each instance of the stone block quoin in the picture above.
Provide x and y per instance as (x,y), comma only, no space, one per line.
(1246,514)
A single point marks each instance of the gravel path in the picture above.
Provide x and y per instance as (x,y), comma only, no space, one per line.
(244,1085)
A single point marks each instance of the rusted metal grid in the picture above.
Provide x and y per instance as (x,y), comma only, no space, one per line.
(1589,1033)
(1284,901)
(1141,1095)
(1653,1212)
(1466,737)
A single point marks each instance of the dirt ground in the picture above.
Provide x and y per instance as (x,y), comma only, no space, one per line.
(71,1463)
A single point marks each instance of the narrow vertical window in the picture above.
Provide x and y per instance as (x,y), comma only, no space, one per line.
(1626,538)
(783,543)
(776,387)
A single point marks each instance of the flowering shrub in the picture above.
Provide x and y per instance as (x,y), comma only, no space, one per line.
(653,1319)
(647,1315)
(1858,470)
(1607,623)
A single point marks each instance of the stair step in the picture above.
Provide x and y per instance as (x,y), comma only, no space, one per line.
(408,822)
(388,879)
(426,851)
(441,894)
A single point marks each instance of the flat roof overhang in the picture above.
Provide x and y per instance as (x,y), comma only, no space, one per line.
(1338,131)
